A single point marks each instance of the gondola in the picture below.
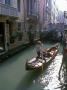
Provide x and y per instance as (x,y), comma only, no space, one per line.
(39,63)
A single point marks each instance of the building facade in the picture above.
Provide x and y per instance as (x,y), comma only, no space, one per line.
(18,23)
(51,13)
(32,19)
(13,30)
(22,20)
(47,14)
(41,4)
(22,37)
(54,12)
(8,16)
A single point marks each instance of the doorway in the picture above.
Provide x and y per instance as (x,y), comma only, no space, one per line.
(2,36)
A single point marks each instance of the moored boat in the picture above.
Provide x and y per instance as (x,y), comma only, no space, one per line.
(37,64)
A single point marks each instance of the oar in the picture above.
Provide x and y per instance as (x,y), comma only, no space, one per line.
(42,61)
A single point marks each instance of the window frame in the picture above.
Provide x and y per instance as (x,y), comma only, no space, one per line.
(8,2)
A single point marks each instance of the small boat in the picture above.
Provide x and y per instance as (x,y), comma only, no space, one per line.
(37,64)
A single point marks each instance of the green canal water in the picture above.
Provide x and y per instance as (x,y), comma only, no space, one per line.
(13,75)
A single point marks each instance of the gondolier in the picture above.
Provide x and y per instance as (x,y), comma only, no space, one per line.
(41,51)
(38,64)
(39,48)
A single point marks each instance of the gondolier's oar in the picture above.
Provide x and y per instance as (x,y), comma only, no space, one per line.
(42,61)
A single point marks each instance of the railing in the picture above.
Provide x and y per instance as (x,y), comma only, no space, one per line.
(8,10)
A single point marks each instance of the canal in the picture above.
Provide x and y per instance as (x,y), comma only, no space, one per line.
(13,75)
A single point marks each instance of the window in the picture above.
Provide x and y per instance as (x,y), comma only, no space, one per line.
(20,34)
(2,43)
(1,1)
(18,5)
(31,5)
(28,6)
(19,26)
(7,2)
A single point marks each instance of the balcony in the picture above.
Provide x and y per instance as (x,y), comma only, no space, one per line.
(7,10)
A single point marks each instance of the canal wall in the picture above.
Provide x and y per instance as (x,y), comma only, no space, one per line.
(6,54)
(9,53)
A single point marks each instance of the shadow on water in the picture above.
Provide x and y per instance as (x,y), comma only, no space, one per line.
(30,78)
(13,58)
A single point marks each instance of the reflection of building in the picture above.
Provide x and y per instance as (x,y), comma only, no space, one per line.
(8,16)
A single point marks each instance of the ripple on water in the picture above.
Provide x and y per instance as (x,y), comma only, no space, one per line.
(49,78)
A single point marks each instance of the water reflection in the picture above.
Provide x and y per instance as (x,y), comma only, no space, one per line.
(49,79)
(17,78)
(63,77)
(46,79)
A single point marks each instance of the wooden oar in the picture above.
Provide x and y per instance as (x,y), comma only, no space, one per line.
(42,61)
